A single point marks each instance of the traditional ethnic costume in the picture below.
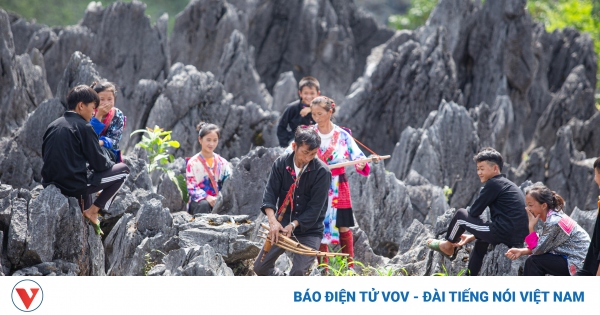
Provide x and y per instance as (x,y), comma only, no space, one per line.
(559,250)
(110,131)
(338,146)
(204,178)
(308,196)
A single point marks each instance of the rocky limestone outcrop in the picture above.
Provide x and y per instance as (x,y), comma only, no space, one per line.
(285,91)
(190,97)
(405,80)
(442,152)
(242,193)
(23,84)
(237,73)
(195,261)
(46,228)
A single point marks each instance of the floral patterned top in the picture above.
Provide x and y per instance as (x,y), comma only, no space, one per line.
(198,182)
(111,134)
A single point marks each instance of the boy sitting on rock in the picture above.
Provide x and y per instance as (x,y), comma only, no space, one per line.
(508,223)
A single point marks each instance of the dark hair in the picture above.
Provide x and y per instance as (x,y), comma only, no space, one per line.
(309,82)
(543,194)
(105,86)
(597,164)
(324,102)
(490,155)
(306,135)
(206,128)
(82,93)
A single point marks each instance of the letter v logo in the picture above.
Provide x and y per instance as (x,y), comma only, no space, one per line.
(25,297)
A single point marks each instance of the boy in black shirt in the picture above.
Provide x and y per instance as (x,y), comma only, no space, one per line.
(70,146)
(509,219)
(297,113)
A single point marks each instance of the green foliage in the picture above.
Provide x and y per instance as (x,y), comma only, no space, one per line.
(417,15)
(69,12)
(156,142)
(447,192)
(150,262)
(338,266)
(445,273)
(582,15)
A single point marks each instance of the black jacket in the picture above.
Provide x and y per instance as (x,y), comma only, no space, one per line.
(592,259)
(507,209)
(291,117)
(69,143)
(310,196)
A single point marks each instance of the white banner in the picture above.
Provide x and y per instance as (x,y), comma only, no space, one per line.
(295,295)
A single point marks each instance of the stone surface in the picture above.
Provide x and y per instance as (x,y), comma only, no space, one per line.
(196,261)
(191,96)
(285,91)
(238,196)
(442,152)
(237,73)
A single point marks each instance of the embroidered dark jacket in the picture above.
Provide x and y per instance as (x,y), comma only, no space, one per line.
(291,116)
(310,196)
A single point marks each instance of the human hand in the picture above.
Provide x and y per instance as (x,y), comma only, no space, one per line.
(101,142)
(305,111)
(287,231)
(513,253)
(274,229)
(533,219)
(211,200)
(102,110)
(464,239)
(361,166)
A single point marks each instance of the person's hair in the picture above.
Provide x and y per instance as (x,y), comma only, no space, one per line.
(324,102)
(490,155)
(543,194)
(105,86)
(309,82)
(205,128)
(82,93)
(597,164)
(306,135)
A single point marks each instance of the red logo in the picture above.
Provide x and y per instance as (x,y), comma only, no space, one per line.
(27,295)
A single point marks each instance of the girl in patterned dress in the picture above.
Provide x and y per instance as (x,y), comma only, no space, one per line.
(108,121)
(337,146)
(206,171)
(561,247)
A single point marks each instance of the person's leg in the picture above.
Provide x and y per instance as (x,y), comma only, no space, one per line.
(301,263)
(476,257)
(347,244)
(264,266)
(200,207)
(546,264)
(460,223)
(111,182)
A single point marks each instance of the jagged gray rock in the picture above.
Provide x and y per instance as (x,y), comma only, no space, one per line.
(329,40)
(237,73)
(191,96)
(169,190)
(54,268)
(382,207)
(238,196)
(442,152)
(1,251)
(22,31)
(570,174)
(585,218)
(285,91)
(22,82)
(575,99)
(79,70)
(585,135)
(228,235)
(196,261)
(201,32)
(408,80)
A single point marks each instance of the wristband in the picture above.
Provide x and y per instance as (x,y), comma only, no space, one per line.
(293,225)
